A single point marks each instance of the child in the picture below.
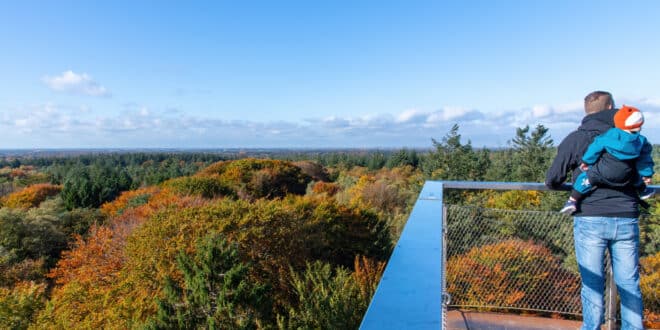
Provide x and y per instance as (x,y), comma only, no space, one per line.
(602,162)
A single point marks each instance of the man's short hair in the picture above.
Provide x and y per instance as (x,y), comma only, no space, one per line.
(598,101)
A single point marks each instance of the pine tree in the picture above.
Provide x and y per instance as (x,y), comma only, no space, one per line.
(216,293)
(532,154)
(453,160)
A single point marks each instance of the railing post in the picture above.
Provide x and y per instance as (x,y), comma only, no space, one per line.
(610,318)
(446,299)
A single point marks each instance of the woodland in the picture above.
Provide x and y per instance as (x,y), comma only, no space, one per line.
(280,240)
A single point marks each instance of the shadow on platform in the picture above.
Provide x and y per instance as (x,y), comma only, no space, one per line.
(459,320)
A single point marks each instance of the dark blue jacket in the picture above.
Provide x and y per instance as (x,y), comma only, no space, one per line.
(607,200)
(632,148)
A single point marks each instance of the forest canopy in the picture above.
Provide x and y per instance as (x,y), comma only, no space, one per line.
(261,239)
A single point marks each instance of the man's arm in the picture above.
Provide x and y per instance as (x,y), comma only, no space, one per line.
(563,163)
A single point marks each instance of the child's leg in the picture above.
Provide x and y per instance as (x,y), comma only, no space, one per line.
(576,196)
(581,186)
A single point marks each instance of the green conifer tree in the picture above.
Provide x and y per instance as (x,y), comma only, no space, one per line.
(216,293)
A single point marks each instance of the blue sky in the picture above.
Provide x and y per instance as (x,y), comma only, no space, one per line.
(316,73)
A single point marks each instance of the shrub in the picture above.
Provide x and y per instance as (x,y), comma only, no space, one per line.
(331,298)
(79,221)
(326,298)
(258,178)
(272,235)
(25,270)
(85,277)
(31,196)
(325,188)
(216,292)
(515,200)
(31,234)
(204,186)
(19,304)
(650,286)
(379,194)
(127,200)
(314,170)
(511,274)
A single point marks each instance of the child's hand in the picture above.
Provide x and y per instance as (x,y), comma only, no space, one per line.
(646,179)
(584,167)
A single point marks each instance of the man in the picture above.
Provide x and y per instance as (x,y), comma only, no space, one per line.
(607,219)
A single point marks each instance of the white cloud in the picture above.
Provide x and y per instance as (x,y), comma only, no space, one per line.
(50,125)
(74,83)
(540,111)
(573,107)
(655,102)
(452,113)
(410,115)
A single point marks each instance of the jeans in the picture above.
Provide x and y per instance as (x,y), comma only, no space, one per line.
(621,237)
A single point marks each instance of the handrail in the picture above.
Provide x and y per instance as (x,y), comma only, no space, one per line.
(500,185)
(408,295)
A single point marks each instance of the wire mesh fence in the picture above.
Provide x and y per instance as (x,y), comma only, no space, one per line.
(524,262)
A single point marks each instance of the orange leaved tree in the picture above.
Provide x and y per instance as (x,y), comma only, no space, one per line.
(31,196)
(512,274)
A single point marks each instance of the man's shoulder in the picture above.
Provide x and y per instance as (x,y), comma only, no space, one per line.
(579,136)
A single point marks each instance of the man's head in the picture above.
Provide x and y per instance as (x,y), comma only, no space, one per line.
(598,101)
(629,119)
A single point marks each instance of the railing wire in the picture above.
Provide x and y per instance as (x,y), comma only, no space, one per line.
(511,260)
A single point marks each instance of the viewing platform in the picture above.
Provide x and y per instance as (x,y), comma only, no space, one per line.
(415,291)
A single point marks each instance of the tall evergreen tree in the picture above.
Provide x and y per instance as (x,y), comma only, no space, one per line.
(403,157)
(532,154)
(453,160)
(216,293)
(91,186)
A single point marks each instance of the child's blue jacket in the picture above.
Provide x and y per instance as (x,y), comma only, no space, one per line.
(623,146)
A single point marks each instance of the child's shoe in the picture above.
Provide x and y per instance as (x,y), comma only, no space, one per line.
(569,207)
(647,193)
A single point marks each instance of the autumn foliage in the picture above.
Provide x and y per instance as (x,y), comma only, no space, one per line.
(252,178)
(513,273)
(260,243)
(19,304)
(328,188)
(273,235)
(85,276)
(515,200)
(129,199)
(650,286)
(314,170)
(110,277)
(204,186)
(31,196)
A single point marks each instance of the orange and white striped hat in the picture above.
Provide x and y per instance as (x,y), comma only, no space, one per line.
(628,118)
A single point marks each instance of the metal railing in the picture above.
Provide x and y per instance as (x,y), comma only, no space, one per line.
(452,256)
(511,260)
